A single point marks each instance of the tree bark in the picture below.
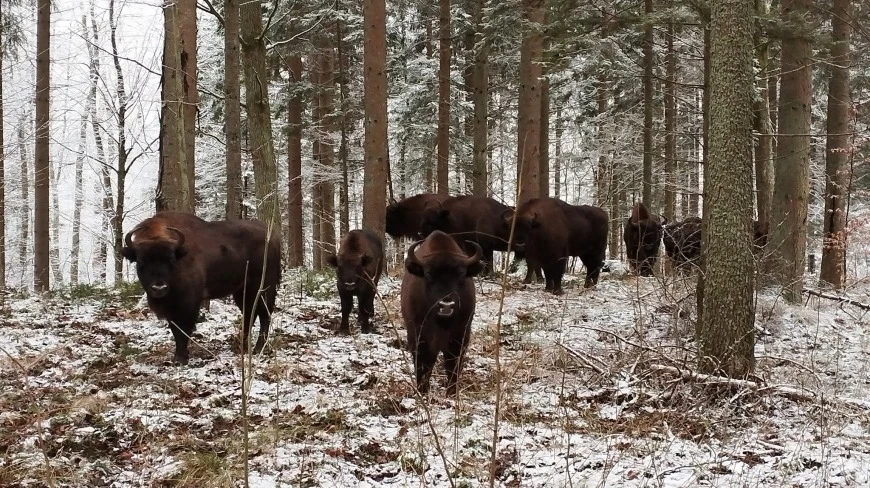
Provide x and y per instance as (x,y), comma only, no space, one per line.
(24,211)
(648,105)
(670,210)
(104,187)
(557,157)
(174,177)
(529,104)
(762,126)
(259,114)
(443,153)
(343,197)
(295,238)
(726,330)
(325,126)
(41,176)
(544,162)
(233,113)
(480,81)
(375,88)
(791,185)
(75,252)
(188,57)
(121,169)
(54,248)
(837,149)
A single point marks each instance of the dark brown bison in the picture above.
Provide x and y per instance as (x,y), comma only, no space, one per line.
(404,217)
(682,242)
(470,219)
(182,260)
(643,236)
(549,231)
(358,267)
(438,301)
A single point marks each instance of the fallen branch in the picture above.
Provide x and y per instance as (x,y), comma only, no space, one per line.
(784,391)
(582,358)
(837,298)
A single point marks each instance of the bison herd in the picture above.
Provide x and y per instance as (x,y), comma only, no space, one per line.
(182,260)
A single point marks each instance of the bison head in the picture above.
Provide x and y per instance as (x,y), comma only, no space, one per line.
(395,219)
(350,268)
(444,270)
(435,218)
(523,228)
(155,259)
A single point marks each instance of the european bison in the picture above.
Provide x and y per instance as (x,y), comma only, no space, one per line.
(470,219)
(643,236)
(438,300)
(404,217)
(682,242)
(549,231)
(759,235)
(358,267)
(182,260)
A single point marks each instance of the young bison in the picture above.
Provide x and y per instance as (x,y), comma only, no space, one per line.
(358,267)
(438,300)
(182,260)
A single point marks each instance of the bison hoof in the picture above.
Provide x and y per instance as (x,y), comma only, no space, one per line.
(343,331)
(258,348)
(557,291)
(180,359)
(368,330)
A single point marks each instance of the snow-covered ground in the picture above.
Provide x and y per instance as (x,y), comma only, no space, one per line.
(88,398)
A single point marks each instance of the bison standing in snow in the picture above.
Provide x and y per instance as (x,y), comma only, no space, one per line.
(358,268)
(438,301)
(182,260)
(404,218)
(549,231)
(643,236)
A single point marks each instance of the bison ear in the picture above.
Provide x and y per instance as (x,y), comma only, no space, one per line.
(129,254)
(332,260)
(414,268)
(366,259)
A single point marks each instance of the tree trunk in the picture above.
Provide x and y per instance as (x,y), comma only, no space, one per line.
(443,153)
(54,248)
(557,157)
(837,149)
(295,238)
(188,57)
(233,114)
(41,176)
(791,186)
(529,104)
(648,105)
(24,212)
(343,197)
(259,115)
(670,210)
(325,126)
(726,332)
(375,96)
(75,252)
(174,175)
(121,169)
(544,162)
(316,217)
(761,125)
(480,81)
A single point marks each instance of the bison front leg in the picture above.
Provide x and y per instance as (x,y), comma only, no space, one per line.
(366,312)
(346,307)
(181,331)
(424,361)
(453,359)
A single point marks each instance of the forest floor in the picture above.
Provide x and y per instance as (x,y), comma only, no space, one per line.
(89,399)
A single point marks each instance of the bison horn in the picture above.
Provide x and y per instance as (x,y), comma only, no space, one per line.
(179,235)
(412,257)
(128,239)
(478,253)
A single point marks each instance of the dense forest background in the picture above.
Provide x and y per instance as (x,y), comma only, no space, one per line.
(619,101)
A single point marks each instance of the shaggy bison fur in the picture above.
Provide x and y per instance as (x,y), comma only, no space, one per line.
(358,268)
(404,218)
(643,236)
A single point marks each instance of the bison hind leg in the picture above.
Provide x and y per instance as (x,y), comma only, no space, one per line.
(453,360)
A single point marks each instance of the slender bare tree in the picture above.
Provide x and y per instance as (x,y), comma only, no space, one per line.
(233,117)
(295,239)
(41,173)
(375,87)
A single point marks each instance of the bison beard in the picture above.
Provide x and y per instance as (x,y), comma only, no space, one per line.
(438,301)
(643,236)
(358,268)
(182,260)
